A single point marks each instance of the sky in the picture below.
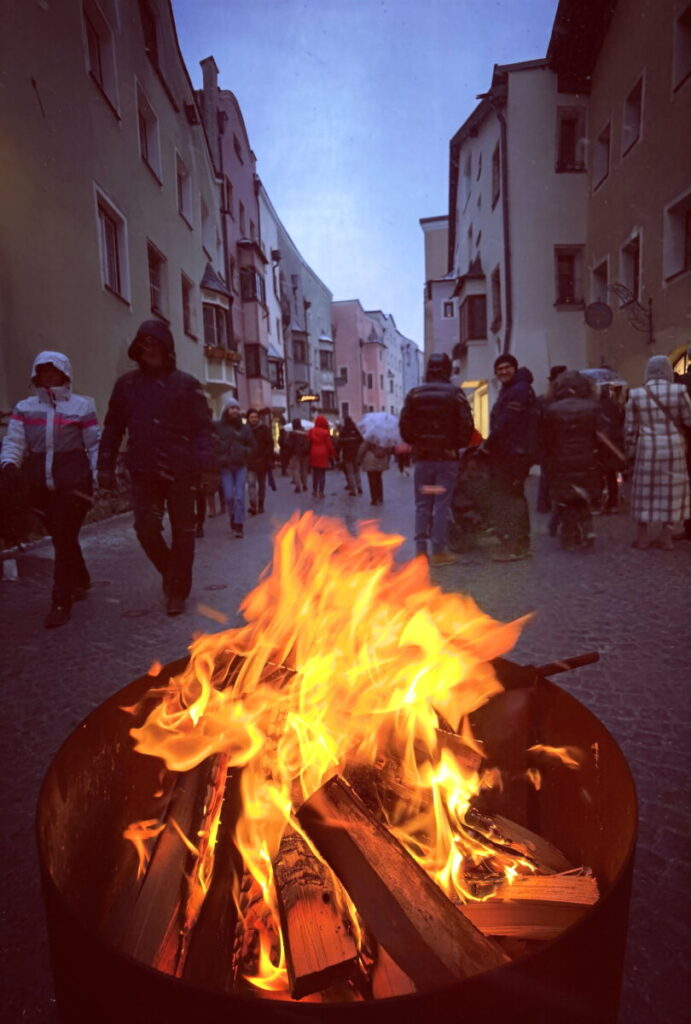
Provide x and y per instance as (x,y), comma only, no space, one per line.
(350,106)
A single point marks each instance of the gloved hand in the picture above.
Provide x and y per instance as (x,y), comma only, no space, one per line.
(106,479)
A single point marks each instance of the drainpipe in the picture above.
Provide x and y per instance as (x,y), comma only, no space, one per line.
(499,105)
(221,118)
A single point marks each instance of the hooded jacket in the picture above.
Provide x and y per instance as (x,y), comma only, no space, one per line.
(571,425)
(166,417)
(321,446)
(56,432)
(436,420)
(236,439)
(513,423)
(261,457)
(349,440)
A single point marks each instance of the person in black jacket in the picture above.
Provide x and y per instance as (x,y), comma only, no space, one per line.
(170,442)
(259,462)
(512,444)
(571,437)
(348,445)
(436,421)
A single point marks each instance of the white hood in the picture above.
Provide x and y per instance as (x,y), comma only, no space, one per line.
(59,361)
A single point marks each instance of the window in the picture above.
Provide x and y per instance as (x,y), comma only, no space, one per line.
(100,55)
(474,318)
(630,266)
(329,401)
(570,139)
(479,165)
(469,244)
(633,112)
(253,231)
(208,232)
(370,381)
(682,48)
(496,299)
(157,279)
(601,156)
(299,350)
(149,141)
(326,360)
(342,375)
(381,381)
(599,282)
(228,196)
(187,292)
(276,374)
(677,237)
(241,218)
(447,310)
(568,264)
(391,384)
(112,245)
(466,180)
(216,333)
(496,178)
(237,147)
(252,288)
(345,410)
(184,187)
(256,361)
(150,30)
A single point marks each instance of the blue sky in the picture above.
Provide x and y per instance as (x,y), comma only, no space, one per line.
(349,107)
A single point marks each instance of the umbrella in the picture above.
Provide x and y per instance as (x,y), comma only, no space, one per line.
(603,375)
(304,424)
(380,428)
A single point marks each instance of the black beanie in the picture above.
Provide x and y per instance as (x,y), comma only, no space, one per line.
(506,358)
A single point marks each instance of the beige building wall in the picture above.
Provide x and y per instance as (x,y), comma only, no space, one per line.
(436,242)
(70,143)
(647,192)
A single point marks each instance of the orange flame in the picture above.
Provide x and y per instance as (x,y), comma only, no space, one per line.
(346,657)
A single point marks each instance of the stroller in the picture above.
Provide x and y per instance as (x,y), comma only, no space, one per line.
(469,516)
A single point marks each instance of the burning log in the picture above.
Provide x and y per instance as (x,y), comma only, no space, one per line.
(388,979)
(403,908)
(513,838)
(538,907)
(320,951)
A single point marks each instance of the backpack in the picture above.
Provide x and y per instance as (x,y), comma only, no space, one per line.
(301,444)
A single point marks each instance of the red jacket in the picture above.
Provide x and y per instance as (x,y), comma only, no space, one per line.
(321,446)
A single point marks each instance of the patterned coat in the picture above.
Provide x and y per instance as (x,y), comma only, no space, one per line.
(660,489)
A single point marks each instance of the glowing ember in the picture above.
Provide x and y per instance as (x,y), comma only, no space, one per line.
(347,659)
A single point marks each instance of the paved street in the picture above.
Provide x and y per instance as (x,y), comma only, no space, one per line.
(633,607)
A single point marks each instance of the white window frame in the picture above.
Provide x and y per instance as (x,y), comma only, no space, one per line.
(447,304)
(105,76)
(160,308)
(602,155)
(628,124)
(150,143)
(189,308)
(103,202)
(626,276)
(577,253)
(673,250)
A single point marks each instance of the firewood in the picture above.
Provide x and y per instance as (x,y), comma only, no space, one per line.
(388,979)
(515,839)
(404,909)
(533,907)
(320,950)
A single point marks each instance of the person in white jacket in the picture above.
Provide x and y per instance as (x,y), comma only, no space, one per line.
(56,433)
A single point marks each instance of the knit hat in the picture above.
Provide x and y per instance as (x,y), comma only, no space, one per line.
(505,358)
(554,372)
(229,402)
(659,368)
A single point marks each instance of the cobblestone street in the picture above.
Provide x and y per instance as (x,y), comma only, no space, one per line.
(631,606)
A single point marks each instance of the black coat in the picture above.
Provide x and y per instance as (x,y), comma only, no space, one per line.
(572,448)
(514,424)
(436,420)
(261,457)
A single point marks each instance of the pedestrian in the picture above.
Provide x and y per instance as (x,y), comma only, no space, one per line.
(283,450)
(237,442)
(543,502)
(374,460)
(656,416)
(322,452)
(170,443)
(685,380)
(56,434)
(436,421)
(349,441)
(512,445)
(571,431)
(258,462)
(612,448)
(298,449)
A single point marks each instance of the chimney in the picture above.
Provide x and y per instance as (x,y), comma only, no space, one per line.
(209,105)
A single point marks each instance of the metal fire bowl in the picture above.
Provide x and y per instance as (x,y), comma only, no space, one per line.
(97,784)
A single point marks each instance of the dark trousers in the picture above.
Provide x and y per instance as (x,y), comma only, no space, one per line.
(376,485)
(612,486)
(510,516)
(63,512)
(318,480)
(151,498)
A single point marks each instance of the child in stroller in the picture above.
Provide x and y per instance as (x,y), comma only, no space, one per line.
(470,507)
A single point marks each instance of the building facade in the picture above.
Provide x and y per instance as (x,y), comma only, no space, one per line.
(633,62)
(115,210)
(440,310)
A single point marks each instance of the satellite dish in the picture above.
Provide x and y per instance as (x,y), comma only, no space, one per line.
(598,315)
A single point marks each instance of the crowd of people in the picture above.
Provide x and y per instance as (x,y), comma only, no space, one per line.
(180,462)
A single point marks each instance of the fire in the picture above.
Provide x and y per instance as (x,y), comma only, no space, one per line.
(346,659)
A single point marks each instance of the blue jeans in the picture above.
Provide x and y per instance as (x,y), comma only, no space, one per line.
(432,509)
(233,483)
